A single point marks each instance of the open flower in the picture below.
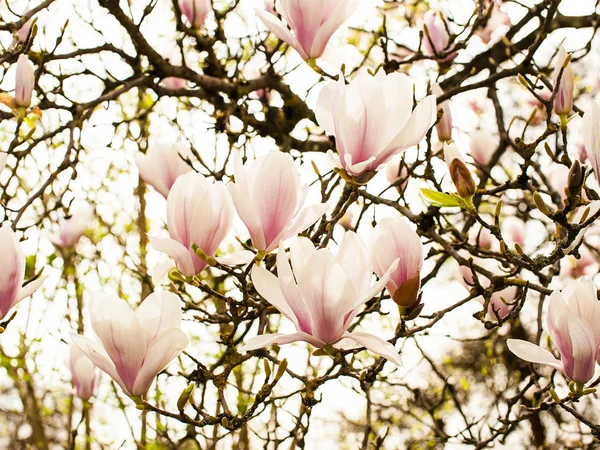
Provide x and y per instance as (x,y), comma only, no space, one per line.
(84,375)
(570,314)
(73,228)
(134,346)
(372,119)
(395,242)
(269,197)
(497,21)
(198,212)
(322,294)
(196,11)
(311,23)
(12,272)
(161,166)
(483,146)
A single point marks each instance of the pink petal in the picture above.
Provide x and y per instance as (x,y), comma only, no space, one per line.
(376,345)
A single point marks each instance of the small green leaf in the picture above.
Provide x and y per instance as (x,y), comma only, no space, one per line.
(439,199)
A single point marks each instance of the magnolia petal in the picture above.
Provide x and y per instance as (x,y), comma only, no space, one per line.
(376,345)
(178,252)
(533,353)
(240,258)
(94,351)
(281,31)
(29,289)
(166,346)
(422,119)
(324,108)
(307,217)
(266,340)
(584,350)
(267,285)
(160,311)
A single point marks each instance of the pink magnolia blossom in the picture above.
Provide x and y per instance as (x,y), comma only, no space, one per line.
(501,302)
(482,148)
(311,23)
(444,125)
(322,294)
(196,11)
(269,197)
(161,166)
(12,272)
(572,318)
(513,231)
(590,128)
(84,375)
(174,83)
(372,119)
(498,20)
(563,101)
(73,228)
(436,39)
(394,240)
(24,82)
(198,212)
(395,171)
(134,346)
(23,32)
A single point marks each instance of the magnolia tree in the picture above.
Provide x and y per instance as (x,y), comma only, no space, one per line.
(316,224)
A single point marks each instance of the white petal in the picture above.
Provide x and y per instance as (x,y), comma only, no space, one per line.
(160,311)
(266,340)
(94,351)
(376,345)
(178,252)
(533,353)
(267,285)
(161,351)
(324,108)
(281,31)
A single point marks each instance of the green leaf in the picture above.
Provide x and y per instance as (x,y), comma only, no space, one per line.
(440,199)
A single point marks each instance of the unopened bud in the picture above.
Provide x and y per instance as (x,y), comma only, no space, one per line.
(407,294)
(576,178)
(185,396)
(462,179)
(541,205)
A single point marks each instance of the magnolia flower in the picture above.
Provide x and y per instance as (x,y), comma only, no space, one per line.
(513,231)
(572,319)
(322,294)
(394,240)
(12,262)
(174,83)
(395,171)
(436,38)
(459,172)
(269,197)
(161,166)
(24,82)
(198,212)
(496,21)
(134,346)
(500,303)
(563,101)
(73,228)
(372,119)
(311,23)
(444,125)
(483,145)
(590,128)
(196,11)
(3,157)
(84,375)
(23,32)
